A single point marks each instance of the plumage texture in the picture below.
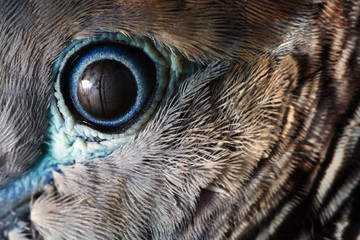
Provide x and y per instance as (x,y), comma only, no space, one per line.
(263,143)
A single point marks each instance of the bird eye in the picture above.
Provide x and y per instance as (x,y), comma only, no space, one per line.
(107,87)
(110,84)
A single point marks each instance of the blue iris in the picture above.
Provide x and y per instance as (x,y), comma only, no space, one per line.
(110,84)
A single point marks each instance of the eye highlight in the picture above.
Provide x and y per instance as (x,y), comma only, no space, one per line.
(110,84)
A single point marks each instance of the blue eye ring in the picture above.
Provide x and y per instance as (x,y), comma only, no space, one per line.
(142,67)
(124,55)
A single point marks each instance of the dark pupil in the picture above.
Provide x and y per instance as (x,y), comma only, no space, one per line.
(107,89)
